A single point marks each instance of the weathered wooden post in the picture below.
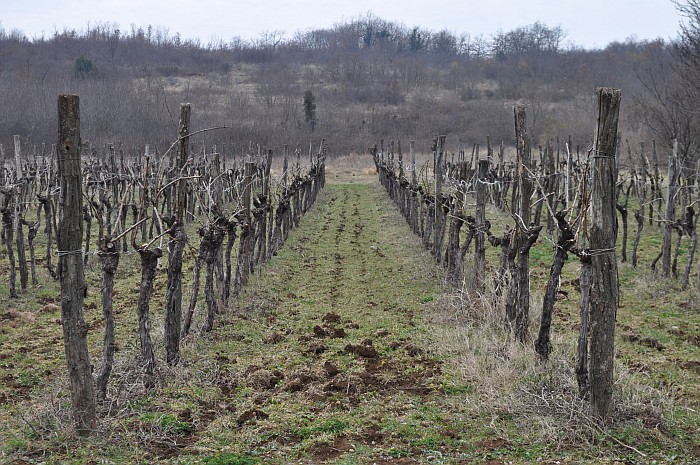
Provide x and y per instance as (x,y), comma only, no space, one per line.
(569,169)
(70,264)
(245,241)
(415,199)
(412,155)
(639,214)
(603,233)
(173,293)
(657,188)
(479,239)
(439,216)
(670,216)
(522,306)
(18,212)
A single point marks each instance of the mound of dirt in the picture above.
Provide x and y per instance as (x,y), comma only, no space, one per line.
(364,349)
(262,379)
(323,331)
(331,318)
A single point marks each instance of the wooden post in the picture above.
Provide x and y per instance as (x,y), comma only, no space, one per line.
(502,186)
(285,167)
(114,211)
(569,168)
(670,216)
(411,148)
(414,199)
(184,138)
(603,234)
(247,232)
(480,243)
(522,309)
(18,157)
(70,264)
(17,218)
(173,293)
(657,188)
(439,217)
(639,214)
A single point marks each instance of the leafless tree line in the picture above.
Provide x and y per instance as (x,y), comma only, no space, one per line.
(372,79)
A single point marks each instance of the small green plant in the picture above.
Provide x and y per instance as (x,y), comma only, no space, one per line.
(169,423)
(332,426)
(397,452)
(230,459)
(15,444)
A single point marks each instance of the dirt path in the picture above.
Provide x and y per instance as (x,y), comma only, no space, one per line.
(337,364)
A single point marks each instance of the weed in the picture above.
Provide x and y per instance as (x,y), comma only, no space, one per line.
(230,459)
(331,426)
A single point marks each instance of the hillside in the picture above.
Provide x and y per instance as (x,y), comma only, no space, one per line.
(370,79)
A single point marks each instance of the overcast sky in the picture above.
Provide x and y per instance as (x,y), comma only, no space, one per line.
(589,23)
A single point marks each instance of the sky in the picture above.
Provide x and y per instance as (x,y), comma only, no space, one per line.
(587,23)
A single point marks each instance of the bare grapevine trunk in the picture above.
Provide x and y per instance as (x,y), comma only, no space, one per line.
(149,264)
(584,304)
(109,258)
(231,232)
(543,346)
(7,237)
(173,294)
(214,238)
(194,292)
(693,233)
